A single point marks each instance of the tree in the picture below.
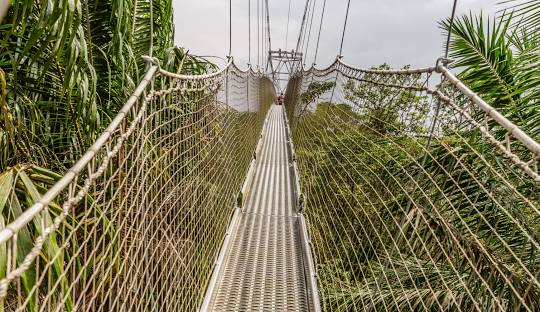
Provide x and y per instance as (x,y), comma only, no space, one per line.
(66,68)
(402,225)
(499,60)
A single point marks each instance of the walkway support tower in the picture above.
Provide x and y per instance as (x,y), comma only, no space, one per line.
(283,63)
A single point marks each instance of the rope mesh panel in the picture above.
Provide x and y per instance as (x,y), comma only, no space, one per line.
(419,196)
(137,223)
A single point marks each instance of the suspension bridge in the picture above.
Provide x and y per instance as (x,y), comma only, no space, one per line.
(368,190)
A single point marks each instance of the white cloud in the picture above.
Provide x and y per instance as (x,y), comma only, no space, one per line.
(397,32)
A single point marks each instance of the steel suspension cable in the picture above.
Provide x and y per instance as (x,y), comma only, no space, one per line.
(451,26)
(288,19)
(269,38)
(230,28)
(304,34)
(309,31)
(258,36)
(302,29)
(447,49)
(344,27)
(263,35)
(341,46)
(249,32)
(319,34)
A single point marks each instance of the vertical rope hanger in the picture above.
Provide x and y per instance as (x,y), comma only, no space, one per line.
(305,31)
(319,35)
(341,47)
(249,33)
(302,26)
(300,33)
(344,27)
(288,19)
(229,55)
(249,52)
(446,51)
(258,36)
(263,32)
(230,27)
(449,35)
(309,31)
(269,47)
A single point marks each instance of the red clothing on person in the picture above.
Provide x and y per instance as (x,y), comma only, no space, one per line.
(280,100)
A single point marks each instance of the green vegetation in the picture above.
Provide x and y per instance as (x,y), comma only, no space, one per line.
(66,68)
(398,222)
(401,223)
(500,61)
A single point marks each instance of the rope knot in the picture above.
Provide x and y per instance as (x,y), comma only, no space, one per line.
(444,61)
(151,60)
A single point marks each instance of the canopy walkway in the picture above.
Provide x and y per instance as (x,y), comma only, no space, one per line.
(404,191)
(264,267)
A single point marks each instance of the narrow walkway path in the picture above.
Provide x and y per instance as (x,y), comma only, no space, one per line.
(264,266)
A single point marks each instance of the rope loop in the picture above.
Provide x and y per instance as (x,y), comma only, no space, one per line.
(150,60)
(444,61)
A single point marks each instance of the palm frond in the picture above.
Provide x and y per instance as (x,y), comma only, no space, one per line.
(480,47)
(526,12)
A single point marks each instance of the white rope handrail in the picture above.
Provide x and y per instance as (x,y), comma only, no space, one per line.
(13,227)
(512,129)
(172,137)
(401,224)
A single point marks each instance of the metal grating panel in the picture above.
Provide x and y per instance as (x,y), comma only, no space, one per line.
(264,269)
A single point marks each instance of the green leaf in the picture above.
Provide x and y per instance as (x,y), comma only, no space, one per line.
(6,185)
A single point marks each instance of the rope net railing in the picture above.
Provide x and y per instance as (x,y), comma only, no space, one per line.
(137,223)
(419,196)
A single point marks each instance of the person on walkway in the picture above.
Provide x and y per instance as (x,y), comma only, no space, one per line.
(280,99)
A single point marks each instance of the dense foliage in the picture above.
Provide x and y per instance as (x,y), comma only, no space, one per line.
(402,222)
(66,68)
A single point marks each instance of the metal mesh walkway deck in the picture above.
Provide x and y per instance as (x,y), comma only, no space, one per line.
(263,269)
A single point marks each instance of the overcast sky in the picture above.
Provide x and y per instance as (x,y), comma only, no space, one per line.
(397,32)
